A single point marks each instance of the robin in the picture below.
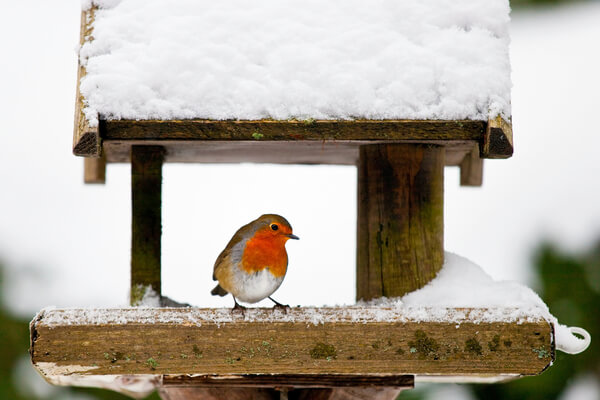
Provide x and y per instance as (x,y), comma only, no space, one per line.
(254,262)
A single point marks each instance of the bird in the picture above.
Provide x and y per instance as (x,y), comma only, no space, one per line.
(254,262)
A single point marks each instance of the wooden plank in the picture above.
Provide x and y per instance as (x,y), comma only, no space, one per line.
(94,170)
(400,218)
(359,341)
(146,225)
(86,139)
(291,130)
(498,139)
(274,152)
(289,381)
(471,169)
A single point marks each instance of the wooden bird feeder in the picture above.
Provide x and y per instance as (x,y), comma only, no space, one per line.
(190,353)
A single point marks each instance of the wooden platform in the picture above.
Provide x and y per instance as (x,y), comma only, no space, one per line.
(306,347)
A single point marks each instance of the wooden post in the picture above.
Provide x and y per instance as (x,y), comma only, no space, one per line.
(400,218)
(471,169)
(94,169)
(146,182)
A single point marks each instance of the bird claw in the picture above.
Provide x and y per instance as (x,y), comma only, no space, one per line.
(281,307)
(238,308)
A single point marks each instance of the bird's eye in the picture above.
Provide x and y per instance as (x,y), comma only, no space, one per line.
(274,227)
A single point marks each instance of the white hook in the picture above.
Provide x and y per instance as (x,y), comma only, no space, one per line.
(567,342)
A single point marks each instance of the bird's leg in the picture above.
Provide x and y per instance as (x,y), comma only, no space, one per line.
(279,306)
(238,307)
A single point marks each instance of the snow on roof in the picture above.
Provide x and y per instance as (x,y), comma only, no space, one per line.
(461,292)
(284,59)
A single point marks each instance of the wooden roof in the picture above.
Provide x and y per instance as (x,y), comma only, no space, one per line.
(290,141)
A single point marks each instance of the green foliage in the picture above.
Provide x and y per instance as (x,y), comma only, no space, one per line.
(14,340)
(534,3)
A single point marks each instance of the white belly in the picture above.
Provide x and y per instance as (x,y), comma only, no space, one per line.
(252,288)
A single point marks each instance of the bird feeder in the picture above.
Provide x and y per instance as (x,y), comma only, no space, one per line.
(401,91)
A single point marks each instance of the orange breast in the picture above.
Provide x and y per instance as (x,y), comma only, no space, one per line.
(263,252)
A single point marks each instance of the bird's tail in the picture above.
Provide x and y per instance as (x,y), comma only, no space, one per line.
(218,291)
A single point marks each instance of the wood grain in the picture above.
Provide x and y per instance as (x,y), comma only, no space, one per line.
(498,139)
(289,381)
(291,130)
(471,169)
(86,139)
(146,225)
(201,341)
(400,231)
(94,170)
(273,152)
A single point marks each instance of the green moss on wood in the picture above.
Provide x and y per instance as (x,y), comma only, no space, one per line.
(323,351)
(541,352)
(494,344)
(472,346)
(424,345)
(257,135)
(152,363)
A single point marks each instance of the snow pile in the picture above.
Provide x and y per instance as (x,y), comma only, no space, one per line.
(462,283)
(283,59)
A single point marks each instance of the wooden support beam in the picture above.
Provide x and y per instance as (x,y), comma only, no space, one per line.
(94,170)
(146,228)
(274,394)
(376,346)
(498,139)
(86,138)
(471,169)
(292,130)
(400,218)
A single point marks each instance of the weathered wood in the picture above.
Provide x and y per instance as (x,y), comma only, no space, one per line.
(289,381)
(146,228)
(400,218)
(94,170)
(498,139)
(471,169)
(291,130)
(333,152)
(86,139)
(359,341)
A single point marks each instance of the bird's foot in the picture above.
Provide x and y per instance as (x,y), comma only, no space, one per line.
(237,308)
(279,306)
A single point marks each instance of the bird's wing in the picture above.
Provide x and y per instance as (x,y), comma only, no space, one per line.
(243,232)
(219,261)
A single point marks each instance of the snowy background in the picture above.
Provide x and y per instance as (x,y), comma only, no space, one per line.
(67,244)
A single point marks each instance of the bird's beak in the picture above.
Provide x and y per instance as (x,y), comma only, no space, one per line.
(291,236)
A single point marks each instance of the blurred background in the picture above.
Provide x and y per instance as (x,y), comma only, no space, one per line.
(535,220)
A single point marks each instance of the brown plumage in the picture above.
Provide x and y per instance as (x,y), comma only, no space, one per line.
(254,262)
